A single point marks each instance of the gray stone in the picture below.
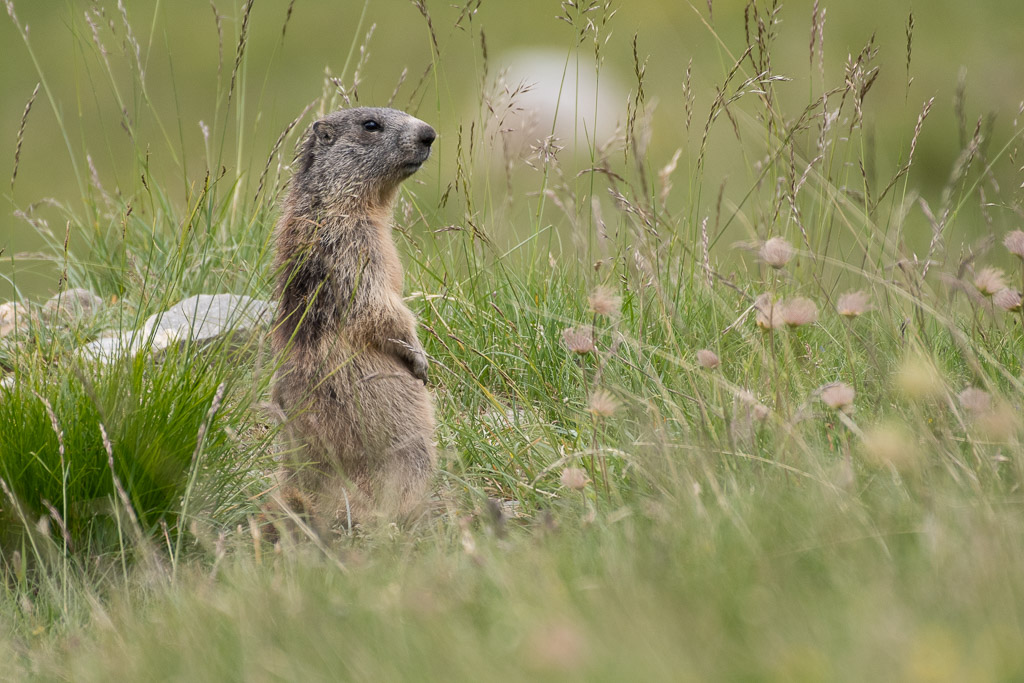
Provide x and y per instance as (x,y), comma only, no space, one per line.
(198,319)
(74,304)
(13,318)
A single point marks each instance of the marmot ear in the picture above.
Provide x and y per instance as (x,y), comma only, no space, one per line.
(323,131)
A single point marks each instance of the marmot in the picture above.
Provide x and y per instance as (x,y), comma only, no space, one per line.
(352,376)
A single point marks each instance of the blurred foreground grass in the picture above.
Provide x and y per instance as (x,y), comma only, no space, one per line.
(786,583)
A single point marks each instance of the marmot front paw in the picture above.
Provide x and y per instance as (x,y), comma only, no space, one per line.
(414,357)
(418,364)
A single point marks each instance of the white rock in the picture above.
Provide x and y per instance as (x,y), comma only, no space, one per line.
(13,316)
(201,318)
(73,304)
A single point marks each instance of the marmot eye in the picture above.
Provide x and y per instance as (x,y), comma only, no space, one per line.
(371,125)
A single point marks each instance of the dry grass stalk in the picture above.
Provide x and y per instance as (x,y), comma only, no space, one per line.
(938,226)
(960,105)
(130,36)
(859,79)
(705,243)
(398,86)
(718,105)
(243,36)
(364,56)
(121,493)
(218,396)
(688,96)
(15,503)
(422,7)
(21,132)
(665,176)
(94,175)
(55,426)
(821,47)
(96,36)
(910,46)
(918,127)
(219,20)
(10,11)
(287,17)
(56,516)
(814,32)
(277,146)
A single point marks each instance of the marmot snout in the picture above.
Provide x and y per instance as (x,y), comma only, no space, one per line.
(359,436)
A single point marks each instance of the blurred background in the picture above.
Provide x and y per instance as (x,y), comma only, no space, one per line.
(115,130)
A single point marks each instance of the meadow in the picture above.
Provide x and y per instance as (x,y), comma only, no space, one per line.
(732,394)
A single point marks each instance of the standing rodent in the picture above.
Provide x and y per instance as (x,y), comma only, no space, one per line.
(352,379)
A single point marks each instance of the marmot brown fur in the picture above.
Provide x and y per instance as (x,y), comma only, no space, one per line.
(352,379)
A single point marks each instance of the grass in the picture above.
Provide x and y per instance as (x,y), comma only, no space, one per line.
(611,504)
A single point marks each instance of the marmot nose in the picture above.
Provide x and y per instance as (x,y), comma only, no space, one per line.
(427,136)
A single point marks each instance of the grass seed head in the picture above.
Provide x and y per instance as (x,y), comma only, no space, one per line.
(603,404)
(559,647)
(604,301)
(708,359)
(992,418)
(798,311)
(975,401)
(1000,424)
(989,281)
(757,410)
(777,252)
(838,396)
(768,317)
(579,340)
(1014,243)
(1007,299)
(853,304)
(919,379)
(574,478)
(890,444)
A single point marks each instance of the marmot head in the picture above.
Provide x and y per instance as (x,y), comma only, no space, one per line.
(361,155)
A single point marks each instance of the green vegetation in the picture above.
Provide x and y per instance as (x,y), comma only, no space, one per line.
(692,428)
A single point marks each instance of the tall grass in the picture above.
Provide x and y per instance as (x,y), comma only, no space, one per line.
(690,428)
(102,461)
